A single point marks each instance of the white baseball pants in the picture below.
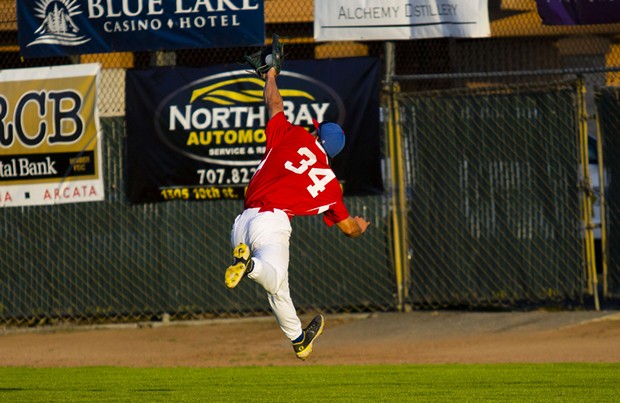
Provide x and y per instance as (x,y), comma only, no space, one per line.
(267,234)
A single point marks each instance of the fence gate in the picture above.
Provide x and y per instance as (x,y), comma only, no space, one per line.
(493,208)
(608,115)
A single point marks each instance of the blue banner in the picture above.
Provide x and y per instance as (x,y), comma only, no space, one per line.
(65,27)
(199,133)
(578,12)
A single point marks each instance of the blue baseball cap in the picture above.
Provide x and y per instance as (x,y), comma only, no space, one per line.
(331,137)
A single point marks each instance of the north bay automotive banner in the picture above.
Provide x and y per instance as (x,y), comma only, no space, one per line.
(64,27)
(50,142)
(578,12)
(342,20)
(199,133)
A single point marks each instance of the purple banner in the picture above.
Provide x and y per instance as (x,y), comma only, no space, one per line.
(578,12)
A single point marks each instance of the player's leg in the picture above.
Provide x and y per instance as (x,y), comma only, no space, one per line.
(242,262)
(284,311)
(260,239)
(269,235)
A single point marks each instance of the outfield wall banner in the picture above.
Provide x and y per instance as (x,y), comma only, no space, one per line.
(353,20)
(578,12)
(199,133)
(65,27)
(50,141)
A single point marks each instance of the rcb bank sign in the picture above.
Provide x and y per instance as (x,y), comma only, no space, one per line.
(49,136)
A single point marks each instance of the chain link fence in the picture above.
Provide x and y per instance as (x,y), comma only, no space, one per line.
(113,261)
(492,197)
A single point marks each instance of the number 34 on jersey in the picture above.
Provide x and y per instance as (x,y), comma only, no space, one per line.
(320,176)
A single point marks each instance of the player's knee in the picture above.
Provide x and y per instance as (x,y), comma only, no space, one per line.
(272,287)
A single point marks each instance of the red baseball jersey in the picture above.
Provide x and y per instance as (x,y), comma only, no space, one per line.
(295,176)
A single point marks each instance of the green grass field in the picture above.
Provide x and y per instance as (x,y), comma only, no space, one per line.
(397,383)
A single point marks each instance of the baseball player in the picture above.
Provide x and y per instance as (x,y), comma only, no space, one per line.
(294,178)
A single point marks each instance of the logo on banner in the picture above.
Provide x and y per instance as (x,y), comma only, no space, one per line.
(221,119)
(57,26)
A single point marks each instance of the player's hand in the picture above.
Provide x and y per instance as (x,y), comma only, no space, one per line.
(272,72)
(362,223)
(353,226)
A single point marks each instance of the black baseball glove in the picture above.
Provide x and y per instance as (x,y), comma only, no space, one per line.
(266,58)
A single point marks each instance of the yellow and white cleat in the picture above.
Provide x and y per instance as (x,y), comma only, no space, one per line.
(241,266)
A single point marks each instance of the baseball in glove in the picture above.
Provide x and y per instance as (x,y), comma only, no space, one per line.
(266,58)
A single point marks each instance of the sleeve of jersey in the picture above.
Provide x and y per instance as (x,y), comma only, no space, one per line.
(276,129)
(336,213)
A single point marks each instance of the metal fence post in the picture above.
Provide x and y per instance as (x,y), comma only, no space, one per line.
(397,183)
(587,195)
(602,201)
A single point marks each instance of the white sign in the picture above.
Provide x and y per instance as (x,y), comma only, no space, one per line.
(50,142)
(363,20)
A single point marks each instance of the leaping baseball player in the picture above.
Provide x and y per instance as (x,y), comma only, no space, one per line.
(294,178)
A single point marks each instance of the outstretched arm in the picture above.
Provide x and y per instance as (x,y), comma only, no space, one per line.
(272,96)
(353,226)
